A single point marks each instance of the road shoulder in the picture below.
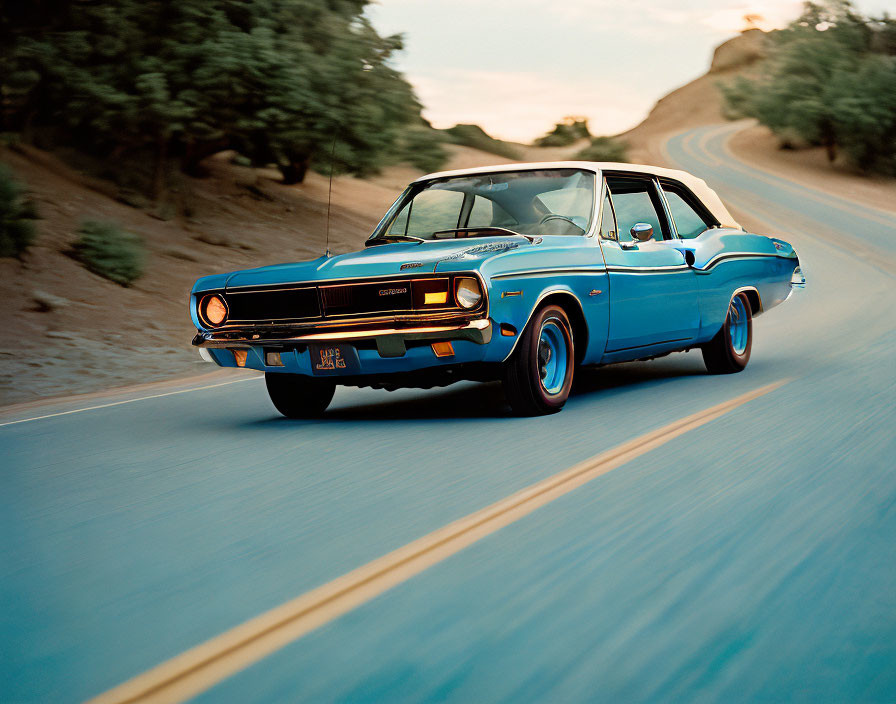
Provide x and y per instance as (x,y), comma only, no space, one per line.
(756,146)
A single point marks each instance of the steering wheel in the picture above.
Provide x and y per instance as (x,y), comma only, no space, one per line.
(553,216)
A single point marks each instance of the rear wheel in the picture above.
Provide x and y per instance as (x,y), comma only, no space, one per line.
(729,350)
(299,396)
(538,376)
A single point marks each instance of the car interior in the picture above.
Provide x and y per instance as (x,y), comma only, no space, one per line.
(537,203)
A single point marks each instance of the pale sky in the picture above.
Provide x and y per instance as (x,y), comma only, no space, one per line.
(516,67)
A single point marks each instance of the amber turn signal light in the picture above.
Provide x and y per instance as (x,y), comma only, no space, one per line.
(443,349)
(435,297)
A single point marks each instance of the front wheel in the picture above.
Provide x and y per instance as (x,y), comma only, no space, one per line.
(538,376)
(729,350)
(299,396)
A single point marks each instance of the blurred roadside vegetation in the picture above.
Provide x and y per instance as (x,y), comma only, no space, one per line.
(17,216)
(604,149)
(477,138)
(110,251)
(830,80)
(571,130)
(150,87)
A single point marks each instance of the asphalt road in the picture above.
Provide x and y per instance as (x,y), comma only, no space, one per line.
(752,556)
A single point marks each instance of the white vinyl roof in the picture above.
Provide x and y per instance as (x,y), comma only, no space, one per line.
(708,196)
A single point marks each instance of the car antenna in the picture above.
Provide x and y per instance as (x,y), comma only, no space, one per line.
(365,66)
(330,189)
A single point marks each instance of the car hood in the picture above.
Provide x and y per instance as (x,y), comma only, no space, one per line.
(396,259)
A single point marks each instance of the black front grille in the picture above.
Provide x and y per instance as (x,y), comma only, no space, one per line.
(343,300)
(360,299)
(270,306)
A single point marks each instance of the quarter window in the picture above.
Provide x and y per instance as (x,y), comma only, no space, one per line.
(608,219)
(688,222)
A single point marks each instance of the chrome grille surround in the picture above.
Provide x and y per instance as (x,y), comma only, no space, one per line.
(345,304)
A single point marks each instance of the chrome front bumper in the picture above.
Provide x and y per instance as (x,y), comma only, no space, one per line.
(389,341)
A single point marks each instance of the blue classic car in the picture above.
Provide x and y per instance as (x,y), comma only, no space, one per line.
(516,272)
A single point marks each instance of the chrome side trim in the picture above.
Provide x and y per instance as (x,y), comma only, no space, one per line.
(543,272)
(648,269)
(717,259)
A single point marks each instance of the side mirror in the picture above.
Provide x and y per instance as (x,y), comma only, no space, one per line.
(642,231)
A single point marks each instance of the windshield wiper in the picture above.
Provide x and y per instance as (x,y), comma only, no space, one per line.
(484,231)
(392,238)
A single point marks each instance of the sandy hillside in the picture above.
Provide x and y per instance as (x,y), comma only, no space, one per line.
(697,103)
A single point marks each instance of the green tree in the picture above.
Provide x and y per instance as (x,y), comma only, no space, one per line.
(830,81)
(273,79)
(423,147)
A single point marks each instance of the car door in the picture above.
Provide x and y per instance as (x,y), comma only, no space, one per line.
(653,292)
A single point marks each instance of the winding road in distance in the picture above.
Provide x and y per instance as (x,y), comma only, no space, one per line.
(686,537)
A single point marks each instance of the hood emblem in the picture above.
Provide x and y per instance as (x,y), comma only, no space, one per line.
(411,265)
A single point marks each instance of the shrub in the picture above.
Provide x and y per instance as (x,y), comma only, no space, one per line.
(17,215)
(477,138)
(106,249)
(604,149)
(565,133)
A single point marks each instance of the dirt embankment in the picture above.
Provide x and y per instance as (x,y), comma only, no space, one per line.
(68,331)
(758,147)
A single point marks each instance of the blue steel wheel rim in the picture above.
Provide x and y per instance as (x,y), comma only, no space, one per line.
(738,327)
(552,356)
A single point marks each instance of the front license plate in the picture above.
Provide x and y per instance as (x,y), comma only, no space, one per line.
(334,359)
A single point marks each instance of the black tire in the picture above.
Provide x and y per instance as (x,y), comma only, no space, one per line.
(299,396)
(721,355)
(527,369)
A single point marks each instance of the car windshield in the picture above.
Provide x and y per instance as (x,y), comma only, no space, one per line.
(531,203)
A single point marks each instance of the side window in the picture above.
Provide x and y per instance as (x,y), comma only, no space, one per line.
(687,221)
(636,200)
(433,210)
(608,219)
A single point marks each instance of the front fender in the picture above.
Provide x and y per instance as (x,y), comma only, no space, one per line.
(513,302)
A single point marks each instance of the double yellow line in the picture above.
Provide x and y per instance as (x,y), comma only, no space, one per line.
(200,668)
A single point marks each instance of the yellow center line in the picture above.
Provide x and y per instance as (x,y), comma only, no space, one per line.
(202,667)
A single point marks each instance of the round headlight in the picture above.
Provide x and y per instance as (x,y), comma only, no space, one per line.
(214,310)
(468,293)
